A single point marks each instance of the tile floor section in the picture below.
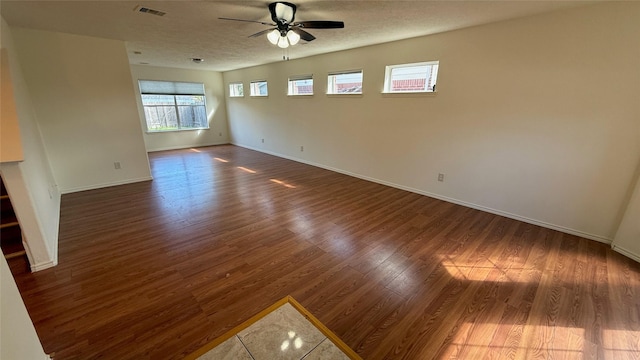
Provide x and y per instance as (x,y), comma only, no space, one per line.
(282,334)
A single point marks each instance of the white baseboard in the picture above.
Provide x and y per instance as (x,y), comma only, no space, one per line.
(178,147)
(104,185)
(544,224)
(626,252)
(43,265)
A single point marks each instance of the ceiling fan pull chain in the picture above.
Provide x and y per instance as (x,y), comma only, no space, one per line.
(285,54)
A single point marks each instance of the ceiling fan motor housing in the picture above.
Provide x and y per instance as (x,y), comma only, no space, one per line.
(282,13)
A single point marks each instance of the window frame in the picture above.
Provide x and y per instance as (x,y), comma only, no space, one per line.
(176,106)
(294,79)
(345,72)
(232,93)
(252,85)
(388,72)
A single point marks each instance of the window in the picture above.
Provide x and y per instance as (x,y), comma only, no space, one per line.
(171,106)
(236,90)
(259,88)
(301,85)
(418,77)
(345,83)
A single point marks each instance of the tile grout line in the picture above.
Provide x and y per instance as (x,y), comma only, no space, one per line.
(315,347)
(245,347)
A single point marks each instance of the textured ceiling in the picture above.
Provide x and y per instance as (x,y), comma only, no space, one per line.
(192,29)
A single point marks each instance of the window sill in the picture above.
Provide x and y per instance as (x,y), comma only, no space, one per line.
(299,95)
(173,131)
(410,94)
(345,95)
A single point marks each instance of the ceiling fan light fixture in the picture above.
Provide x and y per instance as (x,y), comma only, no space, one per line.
(284,31)
(283,42)
(273,36)
(293,37)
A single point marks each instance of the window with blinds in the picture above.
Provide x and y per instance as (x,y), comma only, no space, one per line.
(300,85)
(347,82)
(173,106)
(236,90)
(411,78)
(259,88)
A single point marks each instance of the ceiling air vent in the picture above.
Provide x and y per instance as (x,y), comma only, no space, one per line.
(147,10)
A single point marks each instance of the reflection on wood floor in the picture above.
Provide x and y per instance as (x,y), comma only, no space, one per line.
(158,269)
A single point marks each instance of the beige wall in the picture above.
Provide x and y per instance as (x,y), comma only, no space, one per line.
(214,91)
(535,118)
(85,104)
(30,183)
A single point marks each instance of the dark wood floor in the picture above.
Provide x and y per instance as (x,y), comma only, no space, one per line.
(158,269)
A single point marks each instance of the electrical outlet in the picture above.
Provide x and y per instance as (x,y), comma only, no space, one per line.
(441,177)
(219,134)
(263,141)
(116,165)
(301,148)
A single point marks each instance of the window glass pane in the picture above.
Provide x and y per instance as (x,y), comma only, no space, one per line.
(259,88)
(192,112)
(192,117)
(190,100)
(154,100)
(161,118)
(419,77)
(346,83)
(409,78)
(236,90)
(301,87)
(171,112)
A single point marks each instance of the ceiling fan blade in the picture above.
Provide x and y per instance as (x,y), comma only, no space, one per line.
(251,21)
(303,34)
(321,24)
(282,12)
(262,32)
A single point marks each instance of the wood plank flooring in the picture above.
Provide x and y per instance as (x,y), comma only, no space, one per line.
(158,269)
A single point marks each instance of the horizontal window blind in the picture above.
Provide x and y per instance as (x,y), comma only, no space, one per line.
(345,72)
(170,87)
(301,77)
(345,82)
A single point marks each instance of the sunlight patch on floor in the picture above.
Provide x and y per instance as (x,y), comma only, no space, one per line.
(479,340)
(247,170)
(478,270)
(282,183)
(621,344)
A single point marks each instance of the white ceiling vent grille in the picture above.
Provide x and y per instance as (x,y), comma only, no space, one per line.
(147,10)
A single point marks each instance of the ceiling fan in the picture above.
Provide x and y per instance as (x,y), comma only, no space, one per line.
(285,31)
